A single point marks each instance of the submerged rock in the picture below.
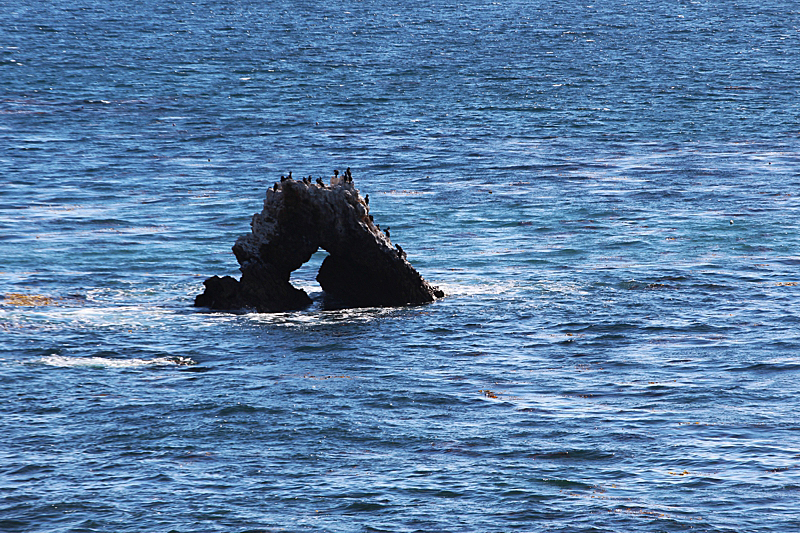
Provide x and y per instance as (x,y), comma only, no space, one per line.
(362,269)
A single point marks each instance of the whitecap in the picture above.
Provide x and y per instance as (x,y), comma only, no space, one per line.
(108,362)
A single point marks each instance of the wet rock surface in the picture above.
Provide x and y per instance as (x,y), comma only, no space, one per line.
(363,268)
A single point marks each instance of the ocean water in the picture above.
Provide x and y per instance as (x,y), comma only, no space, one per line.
(607,193)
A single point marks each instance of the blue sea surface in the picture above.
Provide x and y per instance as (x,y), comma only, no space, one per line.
(608,193)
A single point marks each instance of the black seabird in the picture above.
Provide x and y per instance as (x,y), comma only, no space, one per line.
(387,232)
(366,199)
(283,178)
(320,182)
(290,174)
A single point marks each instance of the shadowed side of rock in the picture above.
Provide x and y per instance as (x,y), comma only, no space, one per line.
(259,289)
(380,283)
(363,269)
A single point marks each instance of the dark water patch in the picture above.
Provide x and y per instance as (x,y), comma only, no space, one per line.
(435,492)
(766,368)
(237,409)
(366,507)
(610,328)
(564,484)
(30,472)
(574,455)
(197,369)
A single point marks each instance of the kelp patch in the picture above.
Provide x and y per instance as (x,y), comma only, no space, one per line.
(28,300)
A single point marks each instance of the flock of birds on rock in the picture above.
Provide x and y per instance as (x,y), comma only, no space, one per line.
(347,177)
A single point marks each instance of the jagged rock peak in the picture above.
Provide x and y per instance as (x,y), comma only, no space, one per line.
(363,268)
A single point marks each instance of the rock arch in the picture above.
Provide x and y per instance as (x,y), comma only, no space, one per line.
(362,269)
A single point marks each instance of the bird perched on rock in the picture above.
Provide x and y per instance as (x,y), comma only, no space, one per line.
(400,251)
(290,175)
(320,182)
(387,232)
(366,199)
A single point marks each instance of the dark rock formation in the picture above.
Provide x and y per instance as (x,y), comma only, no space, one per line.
(299,217)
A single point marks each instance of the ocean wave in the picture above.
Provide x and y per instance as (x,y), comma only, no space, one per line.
(109,362)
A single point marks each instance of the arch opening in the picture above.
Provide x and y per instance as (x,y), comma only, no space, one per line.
(305,276)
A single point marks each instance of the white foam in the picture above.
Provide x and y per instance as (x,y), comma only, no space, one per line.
(314,316)
(107,362)
(477,288)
